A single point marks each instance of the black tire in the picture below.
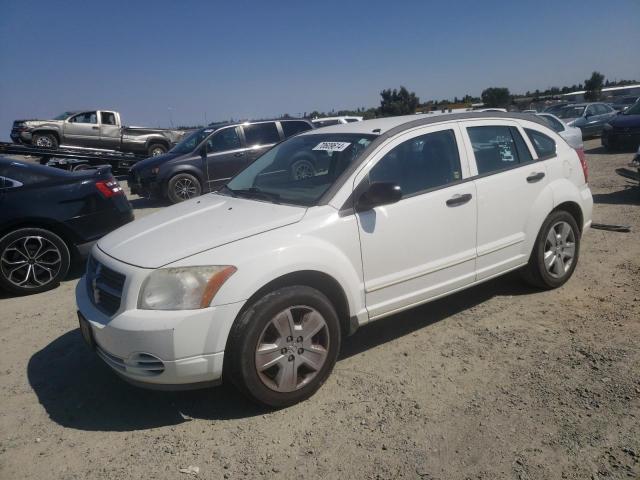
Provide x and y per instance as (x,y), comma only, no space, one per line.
(183,186)
(536,273)
(156,149)
(44,268)
(240,354)
(45,140)
(81,166)
(302,168)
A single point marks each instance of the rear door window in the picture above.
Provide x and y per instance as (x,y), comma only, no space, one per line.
(544,146)
(261,134)
(497,147)
(290,128)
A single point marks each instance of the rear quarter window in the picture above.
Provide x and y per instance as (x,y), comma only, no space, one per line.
(544,146)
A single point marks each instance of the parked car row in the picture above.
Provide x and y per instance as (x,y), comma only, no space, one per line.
(618,123)
(258,283)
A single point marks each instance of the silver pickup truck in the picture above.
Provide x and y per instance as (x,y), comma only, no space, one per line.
(94,129)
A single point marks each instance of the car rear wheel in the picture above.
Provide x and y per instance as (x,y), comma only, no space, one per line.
(156,149)
(32,260)
(183,186)
(284,346)
(44,140)
(555,253)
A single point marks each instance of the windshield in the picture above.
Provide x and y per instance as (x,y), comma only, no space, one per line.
(190,142)
(570,112)
(63,116)
(300,170)
(633,109)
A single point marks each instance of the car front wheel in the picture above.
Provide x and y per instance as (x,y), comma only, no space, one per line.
(32,260)
(284,346)
(183,186)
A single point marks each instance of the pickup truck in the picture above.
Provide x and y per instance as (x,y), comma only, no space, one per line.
(100,129)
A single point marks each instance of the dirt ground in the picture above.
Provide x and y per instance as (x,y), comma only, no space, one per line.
(500,381)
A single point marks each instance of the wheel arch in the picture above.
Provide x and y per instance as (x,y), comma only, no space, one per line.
(157,141)
(59,229)
(322,282)
(574,210)
(45,131)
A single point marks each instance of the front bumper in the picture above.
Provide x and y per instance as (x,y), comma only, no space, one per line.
(157,349)
(20,136)
(144,187)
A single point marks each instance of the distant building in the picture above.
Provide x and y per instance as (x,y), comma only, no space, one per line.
(607,92)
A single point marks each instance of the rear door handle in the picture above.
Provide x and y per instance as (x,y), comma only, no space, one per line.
(95,128)
(458,200)
(238,154)
(535,177)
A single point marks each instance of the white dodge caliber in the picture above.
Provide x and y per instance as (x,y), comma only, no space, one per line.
(258,283)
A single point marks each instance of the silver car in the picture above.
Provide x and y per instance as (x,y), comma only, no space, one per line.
(588,117)
(572,135)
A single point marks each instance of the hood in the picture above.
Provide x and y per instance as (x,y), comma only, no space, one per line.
(622,121)
(33,122)
(154,161)
(194,226)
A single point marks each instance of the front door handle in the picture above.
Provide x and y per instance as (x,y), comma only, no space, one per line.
(238,154)
(535,177)
(458,199)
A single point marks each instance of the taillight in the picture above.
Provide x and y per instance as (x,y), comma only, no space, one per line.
(109,188)
(583,163)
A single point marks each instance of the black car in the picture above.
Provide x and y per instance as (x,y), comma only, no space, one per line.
(209,157)
(50,217)
(623,130)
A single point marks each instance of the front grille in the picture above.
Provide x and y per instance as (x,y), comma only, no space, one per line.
(104,286)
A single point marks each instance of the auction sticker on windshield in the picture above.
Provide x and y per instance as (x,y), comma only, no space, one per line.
(332,146)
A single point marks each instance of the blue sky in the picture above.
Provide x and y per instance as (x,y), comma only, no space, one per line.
(241,59)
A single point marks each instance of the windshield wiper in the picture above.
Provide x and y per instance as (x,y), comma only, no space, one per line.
(255,192)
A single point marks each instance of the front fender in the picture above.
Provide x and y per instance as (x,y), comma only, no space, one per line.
(268,256)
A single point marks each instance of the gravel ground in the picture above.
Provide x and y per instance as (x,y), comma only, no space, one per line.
(499,381)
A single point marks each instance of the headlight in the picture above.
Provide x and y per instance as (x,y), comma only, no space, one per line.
(182,288)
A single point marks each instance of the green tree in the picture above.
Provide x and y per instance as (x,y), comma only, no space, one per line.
(593,86)
(397,102)
(496,97)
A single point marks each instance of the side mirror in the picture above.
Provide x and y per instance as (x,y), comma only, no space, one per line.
(379,193)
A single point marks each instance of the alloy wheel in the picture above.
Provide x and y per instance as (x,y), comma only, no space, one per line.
(44,142)
(185,188)
(292,349)
(559,249)
(31,262)
(302,169)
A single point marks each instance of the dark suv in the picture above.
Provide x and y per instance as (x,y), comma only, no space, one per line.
(209,157)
